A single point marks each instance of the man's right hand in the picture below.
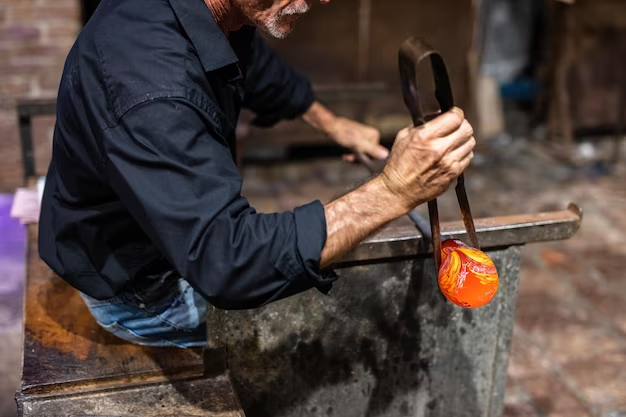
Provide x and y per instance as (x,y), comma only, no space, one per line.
(425,160)
(422,164)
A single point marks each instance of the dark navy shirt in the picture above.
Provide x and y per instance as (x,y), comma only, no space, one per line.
(143,179)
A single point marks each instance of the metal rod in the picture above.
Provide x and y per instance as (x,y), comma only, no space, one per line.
(466,212)
(433,213)
(422,224)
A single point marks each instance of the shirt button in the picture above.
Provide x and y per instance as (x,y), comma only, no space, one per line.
(142,305)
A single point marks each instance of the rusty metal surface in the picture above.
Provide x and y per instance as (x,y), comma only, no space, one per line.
(208,397)
(400,238)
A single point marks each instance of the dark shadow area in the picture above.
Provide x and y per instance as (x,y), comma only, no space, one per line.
(88,7)
(271,155)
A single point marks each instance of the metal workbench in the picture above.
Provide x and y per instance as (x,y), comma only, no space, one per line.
(385,342)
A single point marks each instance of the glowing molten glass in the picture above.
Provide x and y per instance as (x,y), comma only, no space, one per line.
(467,276)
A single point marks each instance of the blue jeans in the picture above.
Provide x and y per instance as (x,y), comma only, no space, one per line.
(162,311)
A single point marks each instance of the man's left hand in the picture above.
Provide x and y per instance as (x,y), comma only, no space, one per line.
(359,138)
(347,133)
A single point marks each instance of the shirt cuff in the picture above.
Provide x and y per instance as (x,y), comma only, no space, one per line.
(310,221)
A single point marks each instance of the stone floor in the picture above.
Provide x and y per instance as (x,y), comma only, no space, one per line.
(569,346)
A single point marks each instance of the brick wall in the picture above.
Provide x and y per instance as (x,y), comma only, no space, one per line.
(35,37)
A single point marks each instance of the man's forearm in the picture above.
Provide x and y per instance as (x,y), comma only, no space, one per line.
(355,216)
(350,134)
(320,118)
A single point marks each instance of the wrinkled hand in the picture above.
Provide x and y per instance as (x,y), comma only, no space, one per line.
(358,137)
(425,160)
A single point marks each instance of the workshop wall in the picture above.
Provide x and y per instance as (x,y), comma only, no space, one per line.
(585,70)
(326,42)
(327,45)
(353,44)
(35,36)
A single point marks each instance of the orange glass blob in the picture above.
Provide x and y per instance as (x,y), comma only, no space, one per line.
(467,276)
(447,246)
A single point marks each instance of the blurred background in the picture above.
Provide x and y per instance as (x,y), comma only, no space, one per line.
(542,81)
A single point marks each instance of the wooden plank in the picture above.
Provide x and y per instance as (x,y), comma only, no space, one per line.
(63,344)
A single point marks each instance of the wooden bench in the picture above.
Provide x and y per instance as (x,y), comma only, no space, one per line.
(72,367)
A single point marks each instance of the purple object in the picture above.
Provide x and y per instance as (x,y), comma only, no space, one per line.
(12,264)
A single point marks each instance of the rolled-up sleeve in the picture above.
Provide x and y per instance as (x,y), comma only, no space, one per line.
(176,176)
(274,90)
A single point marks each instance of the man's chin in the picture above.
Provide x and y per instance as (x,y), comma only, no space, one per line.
(279,31)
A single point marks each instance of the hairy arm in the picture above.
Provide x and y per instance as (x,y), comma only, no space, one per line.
(347,133)
(423,163)
(356,215)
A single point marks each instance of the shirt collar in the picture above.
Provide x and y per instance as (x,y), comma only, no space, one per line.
(209,41)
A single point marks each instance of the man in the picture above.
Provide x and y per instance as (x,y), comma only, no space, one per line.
(142,210)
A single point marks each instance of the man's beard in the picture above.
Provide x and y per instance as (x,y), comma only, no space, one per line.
(273,25)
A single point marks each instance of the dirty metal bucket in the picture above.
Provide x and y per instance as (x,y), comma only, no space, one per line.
(385,342)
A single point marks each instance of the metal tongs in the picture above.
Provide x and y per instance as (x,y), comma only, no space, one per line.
(412,52)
